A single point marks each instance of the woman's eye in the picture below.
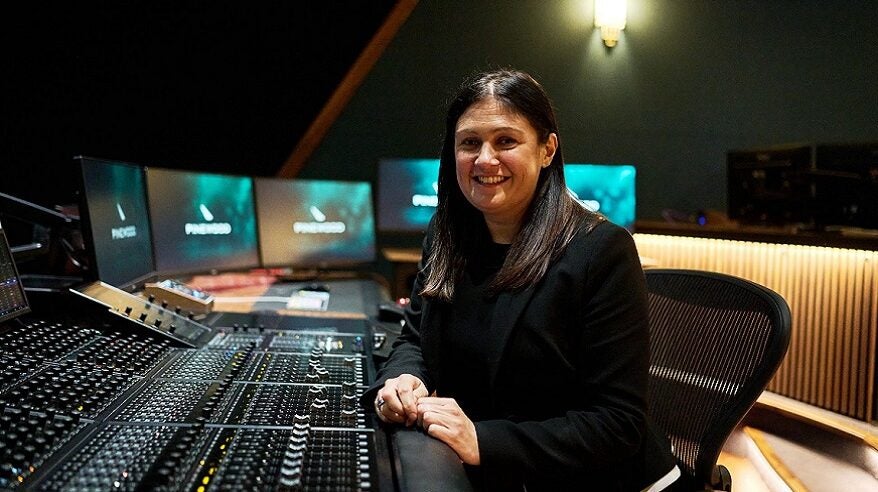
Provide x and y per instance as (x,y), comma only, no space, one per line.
(506,142)
(468,143)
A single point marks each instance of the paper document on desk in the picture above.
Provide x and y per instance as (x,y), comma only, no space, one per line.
(311,300)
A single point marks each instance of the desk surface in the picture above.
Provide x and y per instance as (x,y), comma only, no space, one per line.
(402,255)
(348,299)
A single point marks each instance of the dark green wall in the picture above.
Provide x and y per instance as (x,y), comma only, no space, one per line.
(689,80)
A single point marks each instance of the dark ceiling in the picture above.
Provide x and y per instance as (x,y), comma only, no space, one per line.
(219,86)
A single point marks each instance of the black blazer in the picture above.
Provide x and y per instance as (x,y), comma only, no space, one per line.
(568,375)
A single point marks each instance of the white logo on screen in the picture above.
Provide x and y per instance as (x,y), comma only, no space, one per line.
(592,205)
(317,214)
(123,232)
(427,200)
(319,226)
(205,212)
(209,228)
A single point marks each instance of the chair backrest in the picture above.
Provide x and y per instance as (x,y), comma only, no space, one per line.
(715,341)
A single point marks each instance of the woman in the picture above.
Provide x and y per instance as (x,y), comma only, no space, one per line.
(526,342)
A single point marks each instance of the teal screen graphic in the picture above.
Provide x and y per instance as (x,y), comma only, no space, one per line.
(315,223)
(406,193)
(604,188)
(202,221)
(114,196)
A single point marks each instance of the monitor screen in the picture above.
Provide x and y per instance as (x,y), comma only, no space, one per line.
(116,221)
(607,189)
(844,186)
(767,186)
(12,299)
(315,223)
(201,222)
(407,194)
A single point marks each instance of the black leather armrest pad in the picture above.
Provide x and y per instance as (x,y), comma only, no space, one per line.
(427,464)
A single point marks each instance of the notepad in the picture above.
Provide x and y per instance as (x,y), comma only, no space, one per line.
(311,300)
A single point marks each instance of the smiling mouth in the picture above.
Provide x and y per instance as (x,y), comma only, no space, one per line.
(488,180)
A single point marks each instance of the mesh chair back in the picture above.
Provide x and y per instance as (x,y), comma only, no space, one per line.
(716,341)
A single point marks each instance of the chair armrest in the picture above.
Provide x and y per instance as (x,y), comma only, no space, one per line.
(721,479)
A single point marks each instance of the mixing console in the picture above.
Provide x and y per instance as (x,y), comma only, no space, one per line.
(84,407)
(105,390)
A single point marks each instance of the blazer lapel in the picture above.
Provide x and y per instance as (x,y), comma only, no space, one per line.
(506,313)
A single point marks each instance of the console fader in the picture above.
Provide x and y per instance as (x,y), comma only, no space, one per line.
(84,407)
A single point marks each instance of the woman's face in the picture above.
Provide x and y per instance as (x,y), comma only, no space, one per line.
(499,158)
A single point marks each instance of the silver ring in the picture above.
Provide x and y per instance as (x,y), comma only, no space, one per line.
(379,403)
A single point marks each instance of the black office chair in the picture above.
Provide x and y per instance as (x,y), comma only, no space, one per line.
(716,341)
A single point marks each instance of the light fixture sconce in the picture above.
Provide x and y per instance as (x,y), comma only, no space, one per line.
(610,16)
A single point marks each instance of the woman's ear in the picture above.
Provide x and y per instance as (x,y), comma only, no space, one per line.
(551,146)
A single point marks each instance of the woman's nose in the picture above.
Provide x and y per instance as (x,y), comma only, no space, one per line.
(487,156)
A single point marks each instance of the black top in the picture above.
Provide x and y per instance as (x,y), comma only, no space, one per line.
(464,337)
(566,364)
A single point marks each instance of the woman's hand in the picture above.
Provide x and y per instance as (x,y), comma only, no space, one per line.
(443,419)
(397,400)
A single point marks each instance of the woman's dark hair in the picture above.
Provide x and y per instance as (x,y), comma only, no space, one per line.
(551,221)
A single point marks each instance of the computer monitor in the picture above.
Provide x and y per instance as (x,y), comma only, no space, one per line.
(407,196)
(767,186)
(605,188)
(845,185)
(115,220)
(407,192)
(13,301)
(315,223)
(201,221)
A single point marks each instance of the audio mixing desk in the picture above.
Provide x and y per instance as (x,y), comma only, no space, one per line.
(82,408)
(107,390)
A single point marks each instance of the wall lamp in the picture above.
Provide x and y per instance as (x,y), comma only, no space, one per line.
(610,16)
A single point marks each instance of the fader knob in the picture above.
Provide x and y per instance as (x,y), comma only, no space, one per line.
(349,401)
(317,407)
(292,472)
(349,388)
(165,475)
(296,450)
(290,483)
(299,436)
(301,428)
